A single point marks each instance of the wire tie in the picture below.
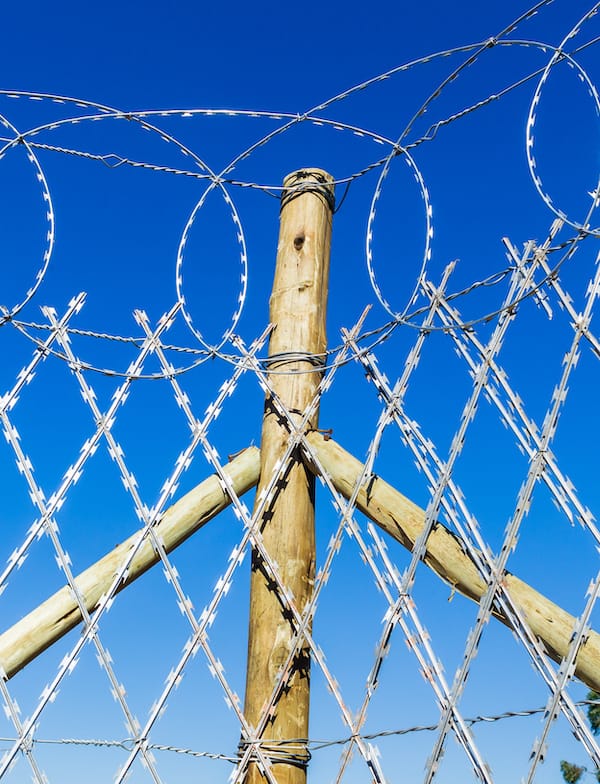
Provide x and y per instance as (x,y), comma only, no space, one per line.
(325,433)
(233,455)
(308,181)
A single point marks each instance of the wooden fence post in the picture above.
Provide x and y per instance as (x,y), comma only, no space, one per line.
(297,346)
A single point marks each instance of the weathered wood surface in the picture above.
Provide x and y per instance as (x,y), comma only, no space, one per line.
(404,521)
(61,612)
(297,311)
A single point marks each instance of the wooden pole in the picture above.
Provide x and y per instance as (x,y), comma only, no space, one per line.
(297,311)
(404,521)
(61,613)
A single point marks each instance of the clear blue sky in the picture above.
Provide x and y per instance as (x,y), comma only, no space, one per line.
(117,232)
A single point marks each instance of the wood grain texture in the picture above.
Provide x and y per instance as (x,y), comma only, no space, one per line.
(297,311)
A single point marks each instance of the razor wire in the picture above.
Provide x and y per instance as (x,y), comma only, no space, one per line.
(532,279)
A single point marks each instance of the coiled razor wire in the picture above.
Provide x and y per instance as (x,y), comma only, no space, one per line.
(533,275)
(218,181)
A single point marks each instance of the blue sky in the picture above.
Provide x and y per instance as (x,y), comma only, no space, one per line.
(117,234)
(228,55)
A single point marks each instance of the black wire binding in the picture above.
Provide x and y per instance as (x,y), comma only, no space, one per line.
(308,181)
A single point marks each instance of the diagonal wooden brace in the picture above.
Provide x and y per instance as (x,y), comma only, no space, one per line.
(388,508)
(51,620)
(404,521)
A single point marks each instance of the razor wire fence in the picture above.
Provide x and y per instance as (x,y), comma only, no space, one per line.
(462,367)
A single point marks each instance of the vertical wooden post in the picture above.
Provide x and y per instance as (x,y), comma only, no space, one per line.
(297,311)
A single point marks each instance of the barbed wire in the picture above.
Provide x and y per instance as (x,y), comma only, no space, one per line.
(369,339)
(219,181)
(533,274)
(127,744)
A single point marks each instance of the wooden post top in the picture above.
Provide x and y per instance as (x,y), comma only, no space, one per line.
(310,180)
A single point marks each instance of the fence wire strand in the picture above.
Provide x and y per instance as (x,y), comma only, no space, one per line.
(554,281)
